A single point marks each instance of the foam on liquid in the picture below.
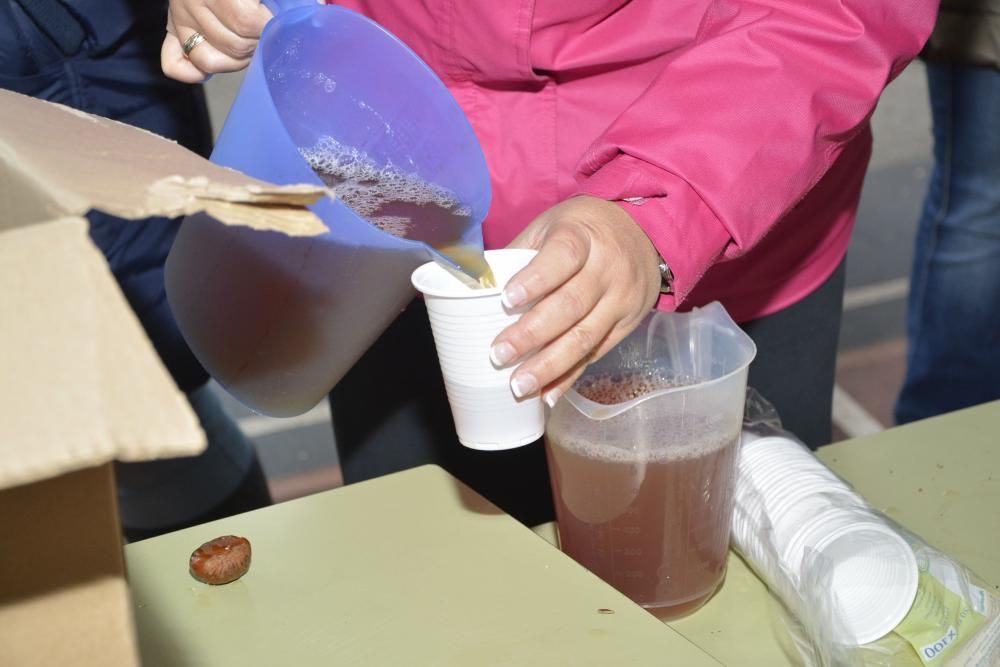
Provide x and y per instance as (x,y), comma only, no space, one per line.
(621,387)
(688,437)
(367,187)
(376,192)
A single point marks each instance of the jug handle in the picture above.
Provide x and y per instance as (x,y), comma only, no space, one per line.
(278,6)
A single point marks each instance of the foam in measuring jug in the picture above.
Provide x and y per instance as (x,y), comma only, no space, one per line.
(399,203)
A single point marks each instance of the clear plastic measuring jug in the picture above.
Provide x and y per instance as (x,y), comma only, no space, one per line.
(642,457)
(329,97)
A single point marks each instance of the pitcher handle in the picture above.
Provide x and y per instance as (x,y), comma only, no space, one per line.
(278,6)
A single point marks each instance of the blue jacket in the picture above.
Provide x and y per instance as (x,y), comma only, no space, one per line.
(103,56)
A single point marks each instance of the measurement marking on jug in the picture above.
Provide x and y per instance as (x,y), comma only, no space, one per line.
(602,610)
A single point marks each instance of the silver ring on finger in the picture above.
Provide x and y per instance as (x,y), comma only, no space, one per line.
(191,42)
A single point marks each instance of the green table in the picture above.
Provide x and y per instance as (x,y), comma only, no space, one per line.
(412,569)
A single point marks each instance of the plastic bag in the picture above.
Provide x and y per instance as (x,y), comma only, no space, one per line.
(953,619)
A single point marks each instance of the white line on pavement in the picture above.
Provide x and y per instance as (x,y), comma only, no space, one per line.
(850,417)
(257,426)
(877,293)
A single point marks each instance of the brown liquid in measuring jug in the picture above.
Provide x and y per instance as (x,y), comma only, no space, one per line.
(651,521)
(400,204)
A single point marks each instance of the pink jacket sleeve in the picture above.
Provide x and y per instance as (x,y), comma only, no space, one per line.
(742,123)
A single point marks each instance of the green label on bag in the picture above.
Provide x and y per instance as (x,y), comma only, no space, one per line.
(939,622)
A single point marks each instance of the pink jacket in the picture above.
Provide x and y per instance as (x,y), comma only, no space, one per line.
(735,132)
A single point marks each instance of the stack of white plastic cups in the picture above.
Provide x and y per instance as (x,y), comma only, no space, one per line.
(793,513)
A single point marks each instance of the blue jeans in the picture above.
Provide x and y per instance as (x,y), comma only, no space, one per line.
(953,319)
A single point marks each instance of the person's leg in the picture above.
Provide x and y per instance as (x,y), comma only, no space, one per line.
(796,361)
(953,317)
(390,412)
(156,497)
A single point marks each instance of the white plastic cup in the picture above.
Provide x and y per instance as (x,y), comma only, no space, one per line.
(754,442)
(874,577)
(770,447)
(795,513)
(464,321)
(781,490)
(821,528)
(789,477)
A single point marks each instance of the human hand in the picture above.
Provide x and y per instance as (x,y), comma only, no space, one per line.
(595,277)
(231,29)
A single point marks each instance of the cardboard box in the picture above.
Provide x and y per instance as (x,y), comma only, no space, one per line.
(81,384)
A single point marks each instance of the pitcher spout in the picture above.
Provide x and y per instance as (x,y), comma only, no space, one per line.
(668,353)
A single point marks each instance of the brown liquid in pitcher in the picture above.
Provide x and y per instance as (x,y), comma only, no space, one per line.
(400,204)
(653,523)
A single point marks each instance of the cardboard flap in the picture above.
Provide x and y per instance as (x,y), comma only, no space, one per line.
(65,162)
(81,382)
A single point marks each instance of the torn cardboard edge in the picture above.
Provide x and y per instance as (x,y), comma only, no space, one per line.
(83,382)
(70,162)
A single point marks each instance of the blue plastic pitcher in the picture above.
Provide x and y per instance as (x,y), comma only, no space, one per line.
(279,320)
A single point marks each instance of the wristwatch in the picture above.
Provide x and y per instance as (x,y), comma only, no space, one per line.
(666,276)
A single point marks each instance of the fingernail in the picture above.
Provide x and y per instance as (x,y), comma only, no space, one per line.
(513,296)
(552,397)
(502,354)
(523,384)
